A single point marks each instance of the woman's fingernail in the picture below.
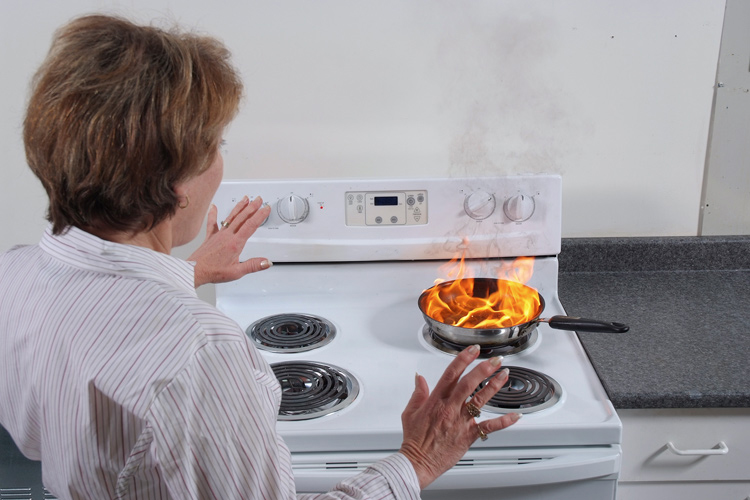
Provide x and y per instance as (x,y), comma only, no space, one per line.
(474,348)
(496,360)
(504,372)
(245,199)
(265,264)
(517,416)
(416,380)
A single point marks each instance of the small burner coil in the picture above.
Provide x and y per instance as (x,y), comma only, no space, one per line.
(526,391)
(311,390)
(291,332)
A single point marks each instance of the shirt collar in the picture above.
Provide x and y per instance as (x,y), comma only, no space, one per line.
(86,251)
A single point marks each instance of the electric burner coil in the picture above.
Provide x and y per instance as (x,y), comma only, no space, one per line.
(290,333)
(311,390)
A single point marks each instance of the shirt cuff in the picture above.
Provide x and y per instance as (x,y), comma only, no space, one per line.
(401,476)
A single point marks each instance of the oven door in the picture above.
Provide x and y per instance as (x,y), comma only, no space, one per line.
(513,473)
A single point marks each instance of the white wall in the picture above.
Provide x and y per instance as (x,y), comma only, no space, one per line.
(615,95)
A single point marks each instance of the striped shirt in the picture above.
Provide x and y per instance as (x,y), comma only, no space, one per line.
(125,384)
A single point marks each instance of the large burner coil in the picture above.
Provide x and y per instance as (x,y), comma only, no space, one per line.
(311,390)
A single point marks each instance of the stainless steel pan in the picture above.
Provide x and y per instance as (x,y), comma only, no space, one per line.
(483,287)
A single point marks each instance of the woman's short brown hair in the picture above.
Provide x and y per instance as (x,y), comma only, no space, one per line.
(119,114)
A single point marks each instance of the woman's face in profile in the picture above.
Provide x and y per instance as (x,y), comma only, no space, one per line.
(200,190)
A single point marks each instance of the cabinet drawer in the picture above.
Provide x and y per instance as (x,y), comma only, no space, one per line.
(725,490)
(695,434)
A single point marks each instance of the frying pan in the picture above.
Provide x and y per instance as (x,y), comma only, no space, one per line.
(496,337)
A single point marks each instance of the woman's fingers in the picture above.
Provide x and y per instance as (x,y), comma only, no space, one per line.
(252,266)
(499,423)
(251,218)
(420,394)
(494,383)
(456,385)
(469,383)
(227,222)
(447,384)
(246,217)
(211,227)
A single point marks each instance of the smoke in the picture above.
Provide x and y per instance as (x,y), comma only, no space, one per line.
(501,104)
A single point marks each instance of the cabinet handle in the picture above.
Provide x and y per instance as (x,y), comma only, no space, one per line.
(723,449)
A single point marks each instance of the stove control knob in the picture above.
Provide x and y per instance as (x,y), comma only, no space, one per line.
(519,208)
(479,205)
(293,209)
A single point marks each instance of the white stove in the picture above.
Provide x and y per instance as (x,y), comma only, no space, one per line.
(357,254)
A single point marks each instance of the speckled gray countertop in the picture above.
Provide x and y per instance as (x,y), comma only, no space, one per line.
(687,301)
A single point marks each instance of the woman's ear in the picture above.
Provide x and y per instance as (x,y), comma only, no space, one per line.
(183,199)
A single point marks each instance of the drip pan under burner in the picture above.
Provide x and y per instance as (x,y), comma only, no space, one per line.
(311,390)
(526,391)
(291,332)
(485,351)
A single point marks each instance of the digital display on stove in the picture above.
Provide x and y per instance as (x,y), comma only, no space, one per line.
(386,201)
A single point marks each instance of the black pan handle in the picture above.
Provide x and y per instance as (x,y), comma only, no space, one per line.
(586,325)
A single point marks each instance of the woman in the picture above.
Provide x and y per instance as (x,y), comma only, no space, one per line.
(114,373)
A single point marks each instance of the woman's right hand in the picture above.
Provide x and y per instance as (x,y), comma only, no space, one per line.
(217,259)
(438,428)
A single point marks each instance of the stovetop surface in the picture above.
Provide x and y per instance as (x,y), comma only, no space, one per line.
(373,306)
(360,252)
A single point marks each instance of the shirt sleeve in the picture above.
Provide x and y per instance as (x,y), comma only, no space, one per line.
(214,436)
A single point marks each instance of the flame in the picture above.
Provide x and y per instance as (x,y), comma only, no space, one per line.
(465,302)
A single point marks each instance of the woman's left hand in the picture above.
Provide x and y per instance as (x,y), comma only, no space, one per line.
(439,427)
(218,258)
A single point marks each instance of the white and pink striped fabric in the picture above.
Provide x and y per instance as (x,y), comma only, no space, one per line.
(126,385)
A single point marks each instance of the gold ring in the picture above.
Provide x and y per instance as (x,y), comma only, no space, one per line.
(472,409)
(224,224)
(482,434)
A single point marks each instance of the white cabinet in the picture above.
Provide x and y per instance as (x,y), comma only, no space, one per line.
(685,454)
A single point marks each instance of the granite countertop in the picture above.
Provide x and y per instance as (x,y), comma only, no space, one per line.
(687,301)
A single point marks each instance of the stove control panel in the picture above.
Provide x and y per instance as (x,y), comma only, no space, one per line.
(385,208)
(345,220)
